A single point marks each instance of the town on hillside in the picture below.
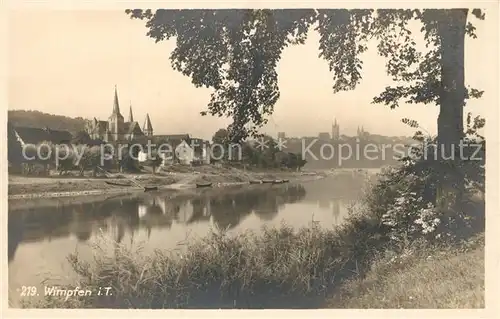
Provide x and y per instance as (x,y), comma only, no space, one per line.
(183,149)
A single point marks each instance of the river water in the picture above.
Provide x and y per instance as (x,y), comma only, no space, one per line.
(42,235)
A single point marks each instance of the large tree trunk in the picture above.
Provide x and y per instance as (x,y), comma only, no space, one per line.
(451,30)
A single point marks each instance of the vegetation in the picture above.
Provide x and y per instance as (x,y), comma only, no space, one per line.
(82,137)
(241,48)
(422,277)
(63,159)
(285,268)
(262,152)
(39,119)
(14,149)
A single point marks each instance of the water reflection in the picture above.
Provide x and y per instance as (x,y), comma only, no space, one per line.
(118,216)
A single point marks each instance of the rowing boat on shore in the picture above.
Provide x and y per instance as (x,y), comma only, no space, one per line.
(200,185)
(117,184)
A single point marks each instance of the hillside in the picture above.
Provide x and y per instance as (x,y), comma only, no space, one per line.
(39,119)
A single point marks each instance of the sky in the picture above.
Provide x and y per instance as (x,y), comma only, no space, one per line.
(68,63)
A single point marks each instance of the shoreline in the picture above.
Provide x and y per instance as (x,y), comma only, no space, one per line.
(26,188)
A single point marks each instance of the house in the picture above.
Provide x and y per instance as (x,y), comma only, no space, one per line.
(181,148)
(31,135)
(184,153)
(184,148)
(201,150)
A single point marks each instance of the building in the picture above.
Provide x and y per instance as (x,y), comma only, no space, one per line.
(115,129)
(184,153)
(181,147)
(324,136)
(32,135)
(361,133)
(281,135)
(335,131)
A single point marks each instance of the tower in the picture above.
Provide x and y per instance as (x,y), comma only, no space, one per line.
(147,128)
(116,119)
(361,132)
(130,116)
(335,130)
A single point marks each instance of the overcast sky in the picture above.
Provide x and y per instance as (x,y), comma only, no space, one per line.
(68,62)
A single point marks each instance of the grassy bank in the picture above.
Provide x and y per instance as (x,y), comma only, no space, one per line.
(424,277)
(282,268)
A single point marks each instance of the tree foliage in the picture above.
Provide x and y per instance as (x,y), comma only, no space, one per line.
(263,153)
(81,137)
(405,198)
(235,52)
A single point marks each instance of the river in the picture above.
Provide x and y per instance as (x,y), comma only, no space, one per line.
(41,236)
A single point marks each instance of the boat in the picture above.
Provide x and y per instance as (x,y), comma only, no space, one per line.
(150,188)
(117,184)
(278,181)
(286,181)
(200,185)
(146,188)
(255,182)
(268,181)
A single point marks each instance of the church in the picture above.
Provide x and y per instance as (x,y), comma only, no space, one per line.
(115,129)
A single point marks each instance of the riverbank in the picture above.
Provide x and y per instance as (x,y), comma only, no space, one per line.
(357,264)
(282,269)
(21,187)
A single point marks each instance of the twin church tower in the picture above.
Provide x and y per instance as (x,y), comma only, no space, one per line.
(115,129)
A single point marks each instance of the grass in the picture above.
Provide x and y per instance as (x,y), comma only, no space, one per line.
(283,268)
(427,278)
(278,268)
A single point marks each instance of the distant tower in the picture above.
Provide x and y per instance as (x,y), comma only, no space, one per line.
(281,135)
(335,131)
(116,119)
(147,128)
(130,116)
(361,132)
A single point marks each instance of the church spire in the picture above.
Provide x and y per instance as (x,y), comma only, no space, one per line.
(148,128)
(130,116)
(116,105)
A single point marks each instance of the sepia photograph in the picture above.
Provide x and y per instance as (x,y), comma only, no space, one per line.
(281,157)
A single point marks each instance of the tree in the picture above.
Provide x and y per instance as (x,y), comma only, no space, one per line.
(268,151)
(237,51)
(91,159)
(290,160)
(220,142)
(14,148)
(154,160)
(128,157)
(81,137)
